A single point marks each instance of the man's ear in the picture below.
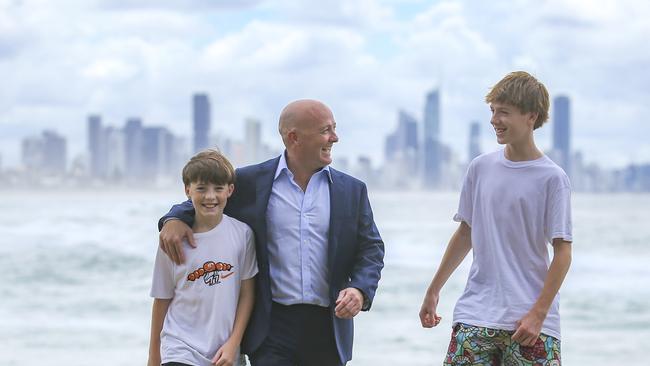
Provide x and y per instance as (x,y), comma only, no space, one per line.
(231,189)
(292,136)
(187,192)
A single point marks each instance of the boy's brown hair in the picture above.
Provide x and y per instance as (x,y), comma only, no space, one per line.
(208,166)
(522,90)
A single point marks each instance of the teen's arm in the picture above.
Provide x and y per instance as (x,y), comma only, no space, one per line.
(225,356)
(158,313)
(175,226)
(530,326)
(457,249)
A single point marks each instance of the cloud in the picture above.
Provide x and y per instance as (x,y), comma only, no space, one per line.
(186,5)
(60,61)
(361,14)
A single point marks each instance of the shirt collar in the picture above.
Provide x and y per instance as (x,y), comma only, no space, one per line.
(282,166)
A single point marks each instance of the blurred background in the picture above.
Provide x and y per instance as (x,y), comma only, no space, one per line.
(103,101)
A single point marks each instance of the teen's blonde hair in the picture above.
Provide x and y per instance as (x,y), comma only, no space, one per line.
(522,90)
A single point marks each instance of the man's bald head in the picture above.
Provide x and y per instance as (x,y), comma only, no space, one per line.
(298,115)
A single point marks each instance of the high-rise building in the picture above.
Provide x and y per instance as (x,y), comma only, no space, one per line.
(55,152)
(45,154)
(401,152)
(157,151)
(432,116)
(133,147)
(253,140)
(115,153)
(408,133)
(404,141)
(32,153)
(96,146)
(341,163)
(201,119)
(474,141)
(431,147)
(364,170)
(562,132)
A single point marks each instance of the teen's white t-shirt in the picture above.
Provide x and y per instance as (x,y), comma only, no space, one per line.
(204,291)
(515,210)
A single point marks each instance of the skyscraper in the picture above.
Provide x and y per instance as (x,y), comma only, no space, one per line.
(474,141)
(96,146)
(562,132)
(32,153)
(401,151)
(432,116)
(157,152)
(133,147)
(45,154)
(55,152)
(404,141)
(201,118)
(431,145)
(115,153)
(253,140)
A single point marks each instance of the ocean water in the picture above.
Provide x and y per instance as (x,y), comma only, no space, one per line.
(75,271)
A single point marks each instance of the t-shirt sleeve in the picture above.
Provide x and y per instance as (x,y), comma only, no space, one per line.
(465,204)
(162,286)
(558,222)
(249,260)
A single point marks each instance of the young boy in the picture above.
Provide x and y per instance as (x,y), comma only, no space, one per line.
(514,202)
(202,306)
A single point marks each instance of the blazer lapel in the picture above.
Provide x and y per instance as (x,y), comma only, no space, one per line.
(336,206)
(263,186)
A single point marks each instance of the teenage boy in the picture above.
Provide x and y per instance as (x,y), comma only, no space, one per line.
(513,203)
(202,306)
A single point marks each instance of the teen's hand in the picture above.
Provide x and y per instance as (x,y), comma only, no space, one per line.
(428,316)
(225,355)
(528,328)
(154,360)
(171,239)
(349,303)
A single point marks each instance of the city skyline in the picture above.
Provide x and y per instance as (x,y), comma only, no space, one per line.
(365,59)
(414,158)
(554,135)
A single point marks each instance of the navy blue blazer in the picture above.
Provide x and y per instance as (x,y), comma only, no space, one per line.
(355,252)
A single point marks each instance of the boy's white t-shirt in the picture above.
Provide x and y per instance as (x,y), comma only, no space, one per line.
(201,314)
(515,210)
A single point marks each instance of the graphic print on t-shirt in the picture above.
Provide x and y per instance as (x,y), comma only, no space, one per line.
(210,271)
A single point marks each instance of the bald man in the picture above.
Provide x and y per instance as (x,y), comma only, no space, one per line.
(319,253)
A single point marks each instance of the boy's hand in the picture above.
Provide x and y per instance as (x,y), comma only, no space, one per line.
(171,239)
(529,328)
(349,303)
(225,355)
(428,316)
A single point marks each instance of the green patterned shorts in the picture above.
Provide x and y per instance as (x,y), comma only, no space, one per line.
(480,346)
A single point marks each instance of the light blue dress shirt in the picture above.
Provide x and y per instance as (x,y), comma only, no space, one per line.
(298,227)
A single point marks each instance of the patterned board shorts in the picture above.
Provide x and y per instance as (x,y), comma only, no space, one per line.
(481,346)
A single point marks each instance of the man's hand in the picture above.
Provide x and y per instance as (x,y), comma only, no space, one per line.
(171,239)
(225,355)
(529,328)
(428,316)
(349,303)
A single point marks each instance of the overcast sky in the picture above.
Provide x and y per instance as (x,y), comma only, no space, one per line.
(62,60)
